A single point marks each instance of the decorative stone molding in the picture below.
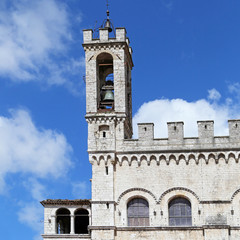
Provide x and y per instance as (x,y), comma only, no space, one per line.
(103,202)
(107,159)
(216,202)
(177,189)
(73,210)
(136,189)
(186,228)
(103,46)
(177,157)
(101,227)
(235,193)
(104,119)
(105,49)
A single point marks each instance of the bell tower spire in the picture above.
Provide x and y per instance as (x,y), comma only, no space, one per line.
(107,9)
(108,82)
(107,23)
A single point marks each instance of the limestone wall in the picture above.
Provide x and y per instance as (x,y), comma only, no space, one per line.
(204,169)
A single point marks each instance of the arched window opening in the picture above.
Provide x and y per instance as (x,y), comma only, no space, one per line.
(63,221)
(138,212)
(105,82)
(103,129)
(180,213)
(81,221)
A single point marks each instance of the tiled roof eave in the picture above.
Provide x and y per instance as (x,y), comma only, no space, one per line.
(65,202)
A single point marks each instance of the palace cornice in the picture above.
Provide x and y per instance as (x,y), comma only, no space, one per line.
(166,156)
(179,150)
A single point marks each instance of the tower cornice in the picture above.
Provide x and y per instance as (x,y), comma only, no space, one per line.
(110,44)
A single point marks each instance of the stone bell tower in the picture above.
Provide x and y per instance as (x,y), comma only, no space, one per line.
(109,116)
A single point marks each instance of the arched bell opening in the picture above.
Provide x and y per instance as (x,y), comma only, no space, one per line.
(63,221)
(81,221)
(105,79)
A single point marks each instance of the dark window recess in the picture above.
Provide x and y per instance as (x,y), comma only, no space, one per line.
(63,221)
(138,212)
(81,221)
(104,134)
(104,128)
(180,213)
(106,169)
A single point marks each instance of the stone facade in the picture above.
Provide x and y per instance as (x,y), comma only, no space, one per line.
(205,170)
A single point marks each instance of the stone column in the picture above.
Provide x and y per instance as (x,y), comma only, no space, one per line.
(72,224)
(54,224)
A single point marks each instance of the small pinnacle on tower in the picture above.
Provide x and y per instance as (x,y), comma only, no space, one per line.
(108,24)
(107,10)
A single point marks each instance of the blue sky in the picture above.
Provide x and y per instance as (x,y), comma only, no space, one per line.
(186,55)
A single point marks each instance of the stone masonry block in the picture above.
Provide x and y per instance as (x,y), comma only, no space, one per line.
(175,130)
(145,131)
(121,34)
(87,35)
(103,34)
(205,129)
(234,128)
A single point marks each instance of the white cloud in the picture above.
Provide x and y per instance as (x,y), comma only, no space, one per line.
(214,95)
(81,190)
(31,215)
(162,111)
(37,153)
(234,88)
(24,148)
(38,191)
(34,38)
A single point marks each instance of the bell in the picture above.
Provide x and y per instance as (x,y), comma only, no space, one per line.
(108,96)
(108,25)
(109,83)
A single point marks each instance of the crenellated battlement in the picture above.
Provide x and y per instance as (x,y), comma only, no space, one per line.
(176,131)
(104,36)
(175,141)
(120,37)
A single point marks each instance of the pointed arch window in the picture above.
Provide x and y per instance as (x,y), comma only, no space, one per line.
(180,212)
(138,212)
